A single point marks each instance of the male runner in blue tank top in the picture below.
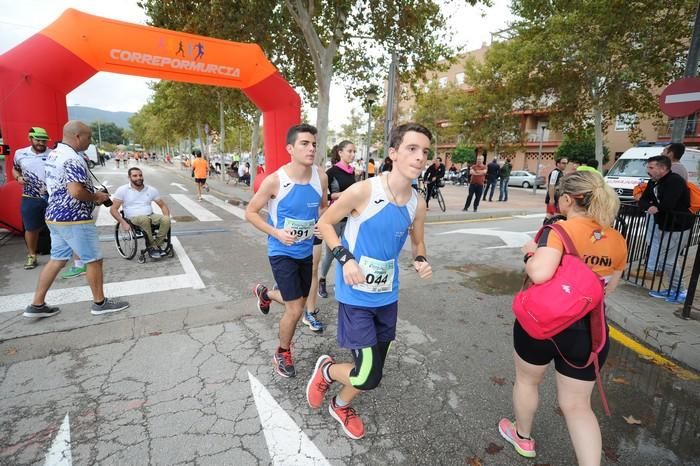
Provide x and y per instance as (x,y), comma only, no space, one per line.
(382,212)
(293,196)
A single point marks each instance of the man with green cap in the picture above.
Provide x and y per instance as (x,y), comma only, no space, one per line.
(29,171)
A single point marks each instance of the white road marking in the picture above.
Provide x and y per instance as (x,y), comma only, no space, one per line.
(684,97)
(513,239)
(237,211)
(530,216)
(60,454)
(189,279)
(104,218)
(179,186)
(286,442)
(195,208)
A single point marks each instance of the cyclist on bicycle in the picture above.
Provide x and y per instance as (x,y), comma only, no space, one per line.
(433,176)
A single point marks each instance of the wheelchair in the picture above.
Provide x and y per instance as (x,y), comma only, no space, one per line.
(128,241)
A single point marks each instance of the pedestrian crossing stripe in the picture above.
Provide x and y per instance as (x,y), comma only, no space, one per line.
(188,279)
(194,208)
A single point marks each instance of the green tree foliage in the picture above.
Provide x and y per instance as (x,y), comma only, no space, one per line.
(464,154)
(591,60)
(107,132)
(579,146)
(310,41)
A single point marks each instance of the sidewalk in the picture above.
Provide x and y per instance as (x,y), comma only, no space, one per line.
(656,324)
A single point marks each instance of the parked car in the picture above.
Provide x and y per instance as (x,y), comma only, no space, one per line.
(525,179)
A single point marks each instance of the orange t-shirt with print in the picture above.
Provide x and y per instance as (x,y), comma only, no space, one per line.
(200,168)
(604,250)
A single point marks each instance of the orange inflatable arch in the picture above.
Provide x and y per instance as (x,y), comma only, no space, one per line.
(36,75)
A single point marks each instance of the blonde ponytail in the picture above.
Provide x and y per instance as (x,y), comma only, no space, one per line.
(592,195)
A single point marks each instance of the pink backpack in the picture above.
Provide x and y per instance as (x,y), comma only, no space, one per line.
(546,309)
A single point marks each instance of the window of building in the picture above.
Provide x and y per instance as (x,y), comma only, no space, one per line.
(690,125)
(624,121)
(459,78)
(442,82)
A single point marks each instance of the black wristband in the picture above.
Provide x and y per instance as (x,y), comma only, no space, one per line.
(527,257)
(342,254)
(420,259)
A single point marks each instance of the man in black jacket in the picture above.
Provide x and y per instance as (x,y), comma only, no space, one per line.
(492,171)
(433,175)
(667,198)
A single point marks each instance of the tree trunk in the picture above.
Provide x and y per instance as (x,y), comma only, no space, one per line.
(254,142)
(598,129)
(202,147)
(324,99)
(322,58)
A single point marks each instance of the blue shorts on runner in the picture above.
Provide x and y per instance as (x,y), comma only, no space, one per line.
(293,276)
(33,213)
(362,327)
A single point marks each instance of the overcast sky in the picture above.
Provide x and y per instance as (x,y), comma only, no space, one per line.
(21,19)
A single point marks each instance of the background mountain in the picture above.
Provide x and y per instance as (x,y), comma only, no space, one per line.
(90,115)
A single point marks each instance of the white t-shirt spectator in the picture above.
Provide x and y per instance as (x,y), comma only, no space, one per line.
(242,170)
(135,202)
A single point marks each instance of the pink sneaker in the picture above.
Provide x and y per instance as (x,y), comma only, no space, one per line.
(524,447)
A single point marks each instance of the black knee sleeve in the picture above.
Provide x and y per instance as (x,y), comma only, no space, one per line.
(369,366)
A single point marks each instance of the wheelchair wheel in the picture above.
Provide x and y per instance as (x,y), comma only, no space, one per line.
(441,201)
(127,243)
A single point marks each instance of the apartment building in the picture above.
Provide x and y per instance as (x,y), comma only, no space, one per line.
(617,136)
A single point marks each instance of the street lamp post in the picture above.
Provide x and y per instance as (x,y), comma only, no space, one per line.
(539,157)
(371,97)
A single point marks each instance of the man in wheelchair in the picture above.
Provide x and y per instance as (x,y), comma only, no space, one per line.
(136,198)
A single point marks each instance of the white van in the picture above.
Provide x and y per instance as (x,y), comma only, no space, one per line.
(631,168)
(91,153)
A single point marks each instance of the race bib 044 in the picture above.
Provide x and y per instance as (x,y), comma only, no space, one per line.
(300,229)
(379,275)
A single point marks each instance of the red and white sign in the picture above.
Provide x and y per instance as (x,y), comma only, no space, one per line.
(681,98)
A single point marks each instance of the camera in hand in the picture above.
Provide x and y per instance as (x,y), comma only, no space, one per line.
(108,202)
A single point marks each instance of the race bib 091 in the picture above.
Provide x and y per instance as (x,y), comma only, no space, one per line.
(300,229)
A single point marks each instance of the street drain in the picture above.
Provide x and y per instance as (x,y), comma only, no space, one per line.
(183,218)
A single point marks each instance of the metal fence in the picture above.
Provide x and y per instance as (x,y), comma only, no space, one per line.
(659,258)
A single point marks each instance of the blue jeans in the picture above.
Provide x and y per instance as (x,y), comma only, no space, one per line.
(669,245)
(490,183)
(503,189)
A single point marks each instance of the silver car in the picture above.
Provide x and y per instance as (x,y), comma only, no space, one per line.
(525,179)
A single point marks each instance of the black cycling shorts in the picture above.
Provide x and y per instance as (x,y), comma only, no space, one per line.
(574,343)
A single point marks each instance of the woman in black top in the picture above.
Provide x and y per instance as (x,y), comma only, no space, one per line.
(340,177)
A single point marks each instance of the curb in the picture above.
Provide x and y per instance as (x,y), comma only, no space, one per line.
(683,347)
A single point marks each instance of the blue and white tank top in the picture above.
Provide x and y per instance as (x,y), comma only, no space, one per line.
(375,238)
(295,207)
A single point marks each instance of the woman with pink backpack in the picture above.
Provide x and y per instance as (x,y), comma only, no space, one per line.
(561,316)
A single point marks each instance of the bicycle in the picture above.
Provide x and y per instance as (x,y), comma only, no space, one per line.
(437,194)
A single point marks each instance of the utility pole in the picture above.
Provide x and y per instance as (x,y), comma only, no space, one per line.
(691,70)
(99,133)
